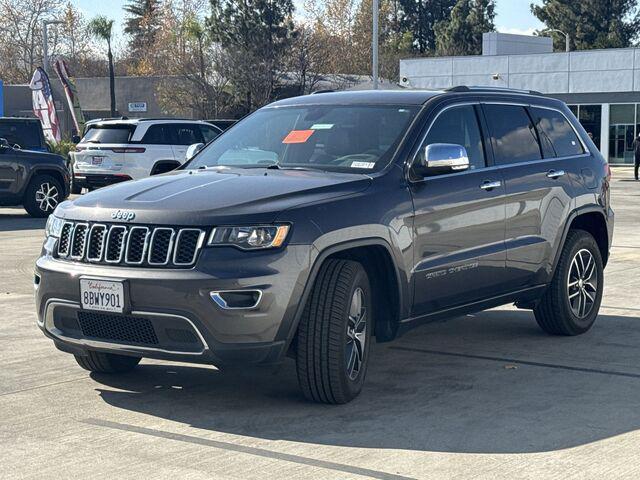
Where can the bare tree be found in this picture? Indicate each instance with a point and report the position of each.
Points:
(308, 60)
(21, 36)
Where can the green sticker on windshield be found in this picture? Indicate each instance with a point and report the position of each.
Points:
(322, 126)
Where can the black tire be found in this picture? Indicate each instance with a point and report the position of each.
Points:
(556, 312)
(75, 188)
(100, 362)
(326, 339)
(33, 203)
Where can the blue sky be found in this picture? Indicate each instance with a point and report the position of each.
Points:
(513, 16)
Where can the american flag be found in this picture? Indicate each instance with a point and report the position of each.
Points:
(43, 106)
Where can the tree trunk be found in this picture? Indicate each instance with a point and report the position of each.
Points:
(112, 82)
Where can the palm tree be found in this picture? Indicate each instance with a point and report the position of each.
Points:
(101, 27)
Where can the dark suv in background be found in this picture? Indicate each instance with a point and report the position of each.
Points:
(36, 180)
(321, 222)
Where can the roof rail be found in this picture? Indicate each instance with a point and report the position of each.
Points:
(322, 91)
(165, 118)
(480, 88)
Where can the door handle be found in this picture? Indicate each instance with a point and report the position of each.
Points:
(489, 185)
(555, 174)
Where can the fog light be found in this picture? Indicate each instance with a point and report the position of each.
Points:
(237, 299)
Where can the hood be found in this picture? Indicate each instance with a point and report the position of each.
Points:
(213, 196)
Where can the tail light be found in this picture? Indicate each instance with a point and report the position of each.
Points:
(129, 150)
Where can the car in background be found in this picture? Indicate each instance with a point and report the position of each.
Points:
(37, 180)
(223, 123)
(24, 133)
(117, 150)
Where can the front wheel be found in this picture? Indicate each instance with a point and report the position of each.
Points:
(42, 196)
(572, 301)
(100, 362)
(334, 333)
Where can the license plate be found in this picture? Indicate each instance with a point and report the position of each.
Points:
(96, 160)
(102, 295)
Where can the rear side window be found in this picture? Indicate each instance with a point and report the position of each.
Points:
(513, 134)
(187, 134)
(108, 134)
(557, 136)
(208, 133)
(459, 125)
(162, 134)
(25, 134)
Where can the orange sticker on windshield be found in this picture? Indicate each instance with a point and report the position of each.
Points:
(298, 136)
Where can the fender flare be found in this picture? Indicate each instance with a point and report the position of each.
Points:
(567, 226)
(46, 169)
(289, 326)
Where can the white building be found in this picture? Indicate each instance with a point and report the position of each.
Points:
(602, 87)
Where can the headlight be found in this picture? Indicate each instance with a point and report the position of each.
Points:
(250, 238)
(54, 226)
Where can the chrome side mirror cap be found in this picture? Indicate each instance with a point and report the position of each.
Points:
(440, 158)
(193, 150)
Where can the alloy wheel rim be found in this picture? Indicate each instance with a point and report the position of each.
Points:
(356, 334)
(47, 197)
(582, 283)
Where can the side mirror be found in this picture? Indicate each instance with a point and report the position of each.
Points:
(440, 158)
(76, 139)
(192, 150)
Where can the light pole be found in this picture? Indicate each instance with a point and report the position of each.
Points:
(374, 44)
(45, 42)
(567, 39)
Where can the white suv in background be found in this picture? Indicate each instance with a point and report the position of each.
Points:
(117, 150)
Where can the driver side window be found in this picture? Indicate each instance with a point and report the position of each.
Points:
(459, 126)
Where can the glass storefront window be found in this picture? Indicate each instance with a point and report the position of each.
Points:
(622, 131)
(590, 116)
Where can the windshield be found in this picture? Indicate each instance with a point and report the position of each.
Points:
(107, 134)
(25, 134)
(326, 137)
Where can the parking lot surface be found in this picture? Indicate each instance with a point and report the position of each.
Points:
(481, 396)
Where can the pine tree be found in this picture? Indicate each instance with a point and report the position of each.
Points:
(256, 34)
(419, 17)
(142, 22)
(462, 33)
(591, 23)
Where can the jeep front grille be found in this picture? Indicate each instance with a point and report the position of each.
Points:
(131, 245)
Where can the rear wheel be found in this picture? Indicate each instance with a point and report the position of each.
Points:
(334, 333)
(42, 196)
(101, 362)
(571, 303)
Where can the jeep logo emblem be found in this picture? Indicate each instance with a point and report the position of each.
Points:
(126, 215)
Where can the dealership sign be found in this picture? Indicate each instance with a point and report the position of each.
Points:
(138, 106)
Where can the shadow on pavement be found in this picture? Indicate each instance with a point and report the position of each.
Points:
(17, 221)
(489, 383)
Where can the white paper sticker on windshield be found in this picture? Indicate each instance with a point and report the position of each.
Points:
(322, 126)
(363, 164)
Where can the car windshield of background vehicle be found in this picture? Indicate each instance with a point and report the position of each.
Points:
(25, 134)
(354, 139)
(107, 134)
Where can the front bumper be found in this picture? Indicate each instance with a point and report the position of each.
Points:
(167, 301)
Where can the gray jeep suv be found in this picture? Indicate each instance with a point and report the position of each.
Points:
(321, 222)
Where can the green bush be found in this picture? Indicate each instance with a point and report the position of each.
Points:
(63, 147)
